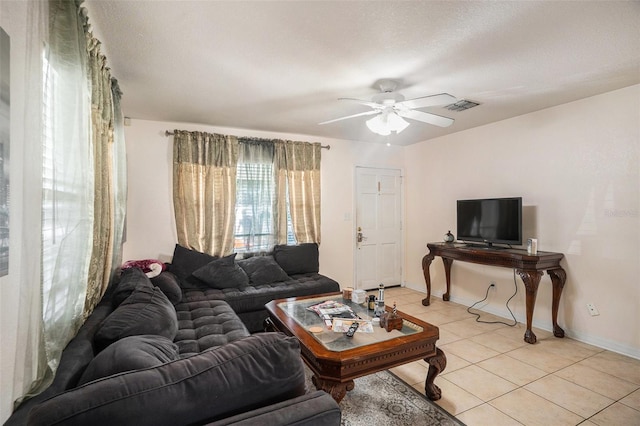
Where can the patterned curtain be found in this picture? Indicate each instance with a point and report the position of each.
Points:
(73, 125)
(103, 117)
(119, 180)
(298, 181)
(66, 183)
(204, 190)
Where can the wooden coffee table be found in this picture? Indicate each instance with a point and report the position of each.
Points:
(337, 360)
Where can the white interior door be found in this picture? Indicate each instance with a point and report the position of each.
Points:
(378, 227)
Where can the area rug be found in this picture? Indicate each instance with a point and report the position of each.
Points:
(384, 399)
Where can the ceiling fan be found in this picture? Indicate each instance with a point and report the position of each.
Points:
(390, 108)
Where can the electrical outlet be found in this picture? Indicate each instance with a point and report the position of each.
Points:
(592, 309)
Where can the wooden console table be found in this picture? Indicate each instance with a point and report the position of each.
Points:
(529, 267)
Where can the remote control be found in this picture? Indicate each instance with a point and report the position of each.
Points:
(352, 329)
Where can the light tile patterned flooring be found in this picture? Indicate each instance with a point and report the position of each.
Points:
(493, 377)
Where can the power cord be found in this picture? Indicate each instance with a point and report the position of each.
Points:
(507, 304)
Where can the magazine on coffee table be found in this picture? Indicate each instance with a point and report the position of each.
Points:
(329, 309)
(338, 316)
(342, 325)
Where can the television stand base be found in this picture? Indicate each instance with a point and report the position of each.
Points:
(530, 267)
(485, 246)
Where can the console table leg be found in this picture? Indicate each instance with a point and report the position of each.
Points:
(426, 262)
(558, 278)
(437, 364)
(447, 273)
(337, 390)
(531, 280)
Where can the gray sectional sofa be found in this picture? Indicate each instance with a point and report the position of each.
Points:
(288, 271)
(178, 349)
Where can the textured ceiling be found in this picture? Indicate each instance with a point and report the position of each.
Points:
(280, 66)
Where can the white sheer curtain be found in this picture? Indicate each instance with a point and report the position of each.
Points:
(67, 223)
(66, 174)
(30, 361)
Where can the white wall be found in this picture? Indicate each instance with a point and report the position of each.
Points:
(577, 168)
(150, 221)
(13, 18)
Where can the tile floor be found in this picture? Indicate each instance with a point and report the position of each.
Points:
(494, 378)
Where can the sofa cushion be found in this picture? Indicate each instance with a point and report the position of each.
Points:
(300, 259)
(146, 311)
(247, 374)
(263, 270)
(206, 324)
(130, 353)
(222, 273)
(185, 261)
(168, 283)
(130, 279)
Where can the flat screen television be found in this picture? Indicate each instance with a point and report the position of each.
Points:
(490, 221)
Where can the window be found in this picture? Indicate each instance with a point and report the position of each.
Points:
(67, 185)
(255, 200)
(255, 193)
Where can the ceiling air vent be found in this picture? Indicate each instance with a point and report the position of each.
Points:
(462, 105)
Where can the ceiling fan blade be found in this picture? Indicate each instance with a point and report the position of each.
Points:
(351, 116)
(427, 117)
(361, 102)
(426, 101)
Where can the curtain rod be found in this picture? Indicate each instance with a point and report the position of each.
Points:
(169, 133)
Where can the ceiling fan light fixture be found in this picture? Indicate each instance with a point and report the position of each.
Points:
(387, 122)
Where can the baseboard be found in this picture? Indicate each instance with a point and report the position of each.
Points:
(544, 325)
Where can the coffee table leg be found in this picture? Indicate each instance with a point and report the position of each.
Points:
(268, 325)
(337, 390)
(437, 364)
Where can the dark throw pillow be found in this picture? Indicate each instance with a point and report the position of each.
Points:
(168, 283)
(263, 270)
(130, 353)
(222, 273)
(300, 259)
(130, 279)
(185, 261)
(146, 311)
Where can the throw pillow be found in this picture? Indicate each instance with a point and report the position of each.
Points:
(146, 311)
(263, 270)
(300, 259)
(168, 283)
(130, 353)
(223, 273)
(185, 261)
(130, 279)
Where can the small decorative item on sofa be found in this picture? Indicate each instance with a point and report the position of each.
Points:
(151, 267)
